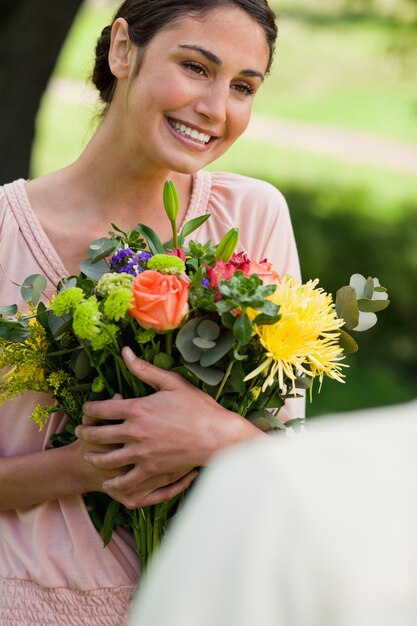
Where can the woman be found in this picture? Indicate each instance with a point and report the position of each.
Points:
(178, 81)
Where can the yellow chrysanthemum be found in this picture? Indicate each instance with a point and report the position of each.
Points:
(304, 340)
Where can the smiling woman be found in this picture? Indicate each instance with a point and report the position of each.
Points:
(177, 80)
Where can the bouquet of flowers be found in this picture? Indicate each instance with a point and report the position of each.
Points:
(229, 324)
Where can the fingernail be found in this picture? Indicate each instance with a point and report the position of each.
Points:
(106, 486)
(87, 459)
(128, 354)
(76, 431)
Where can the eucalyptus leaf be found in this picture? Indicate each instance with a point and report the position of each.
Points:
(101, 248)
(347, 306)
(223, 344)
(203, 343)
(59, 325)
(32, 288)
(11, 309)
(366, 321)
(184, 341)
(208, 329)
(80, 364)
(372, 306)
(209, 375)
(347, 343)
(13, 331)
(94, 270)
(368, 289)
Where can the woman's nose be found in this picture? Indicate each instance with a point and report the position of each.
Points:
(212, 104)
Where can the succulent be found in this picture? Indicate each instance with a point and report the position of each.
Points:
(202, 343)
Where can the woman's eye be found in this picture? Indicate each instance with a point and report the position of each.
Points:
(195, 67)
(243, 88)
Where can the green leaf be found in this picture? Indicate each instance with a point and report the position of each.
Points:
(191, 226)
(265, 421)
(80, 364)
(368, 289)
(347, 343)
(208, 329)
(110, 520)
(242, 329)
(209, 375)
(13, 331)
(59, 325)
(372, 306)
(347, 306)
(262, 319)
(154, 243)
(184, 341)
(11, 309)
(222, 347)
(33, 287)
(94, 270)
(100, 249)
(203, 343)
(164, 361)
(197, 278)
(227, 245)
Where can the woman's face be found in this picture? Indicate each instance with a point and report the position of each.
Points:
(193, 95)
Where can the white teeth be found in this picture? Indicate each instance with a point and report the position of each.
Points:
(190, 132)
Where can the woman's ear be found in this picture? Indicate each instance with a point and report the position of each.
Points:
(121, 49)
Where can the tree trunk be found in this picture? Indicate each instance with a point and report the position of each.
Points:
(31, 33)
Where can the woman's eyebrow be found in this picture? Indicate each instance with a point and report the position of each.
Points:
(215, 59)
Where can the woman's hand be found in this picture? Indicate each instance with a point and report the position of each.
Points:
(165, 434)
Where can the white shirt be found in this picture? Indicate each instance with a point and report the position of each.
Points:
(313, 530)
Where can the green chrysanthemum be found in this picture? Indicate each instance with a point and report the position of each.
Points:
(118, 303)
(143, 335)
(67, 300)
(166, 264)
(87, 318)
(111, 281)
(106, 337)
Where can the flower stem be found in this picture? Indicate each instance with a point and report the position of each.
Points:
(224, 379)
(168, 343)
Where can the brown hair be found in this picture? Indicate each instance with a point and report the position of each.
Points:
(145, 18)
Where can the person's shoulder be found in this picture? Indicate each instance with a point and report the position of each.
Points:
(245, 187)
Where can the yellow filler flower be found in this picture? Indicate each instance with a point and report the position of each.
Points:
(305, 340)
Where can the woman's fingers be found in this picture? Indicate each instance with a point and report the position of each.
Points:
(153, 491)
(101, 435)
(150, 374)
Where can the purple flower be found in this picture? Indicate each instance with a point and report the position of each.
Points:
(205, 282)
(125, 261)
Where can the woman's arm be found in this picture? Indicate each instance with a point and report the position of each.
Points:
(30, 479)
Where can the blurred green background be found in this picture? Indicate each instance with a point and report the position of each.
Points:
(335, 129)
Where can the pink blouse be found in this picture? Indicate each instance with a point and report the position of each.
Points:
(53, 567)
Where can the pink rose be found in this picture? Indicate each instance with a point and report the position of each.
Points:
(160, 301)
(265, 271)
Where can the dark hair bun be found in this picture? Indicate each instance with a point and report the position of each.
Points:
(102, 77)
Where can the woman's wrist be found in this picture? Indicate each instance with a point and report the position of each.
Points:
(234, 429)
